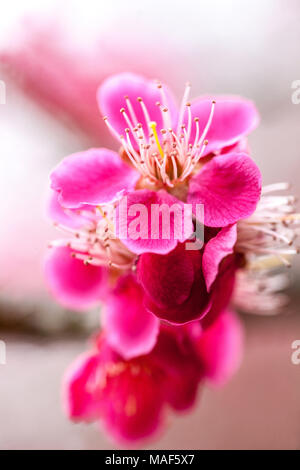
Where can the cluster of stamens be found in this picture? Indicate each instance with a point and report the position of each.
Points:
(269, 235)
(267, 240)
(260, 292)
(168, 160)
(95, 242)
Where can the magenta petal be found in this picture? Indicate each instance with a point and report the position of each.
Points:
(174, 286)
(130, 329)
(215, 250)
(221, 290)
(220, 347)
(229, 187)
(74, 284)
(111, 98)
(132, 401)
(78, 399)
(183, 371)
(136, 227)
(233, 118)
(168, 280)
(95, 176)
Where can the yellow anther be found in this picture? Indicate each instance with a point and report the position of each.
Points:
(152, 126)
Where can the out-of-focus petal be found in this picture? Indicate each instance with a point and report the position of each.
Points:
(220, 347)
(130, 329)
(74, 284)
(132, 401)
(78, 399)
(175, 354)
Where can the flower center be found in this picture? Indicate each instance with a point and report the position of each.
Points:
(166, 156)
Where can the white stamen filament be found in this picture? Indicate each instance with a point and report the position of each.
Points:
(183, 106)
(95, 243)
(162, 156)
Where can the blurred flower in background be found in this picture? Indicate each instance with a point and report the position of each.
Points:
(130, 397)
(60, 74)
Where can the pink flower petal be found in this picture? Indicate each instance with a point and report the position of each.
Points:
(95, 176)
(131, 330)
(176, 355)
(233, 118)
(221, 290)
(132, 402)
(215, 250)
(74, 284)
(142, 228)
(78, 399)
(111, 98)
(167, 279)
(67, 217)
(174, 286)
(220, 347)
(229, 186)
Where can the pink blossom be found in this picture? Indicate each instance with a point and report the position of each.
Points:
(129, 397)
(228, 185)
(164, 168)
(46, 65)
(46, 60)
(44, 57)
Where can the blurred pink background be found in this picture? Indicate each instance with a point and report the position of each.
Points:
(52, 61)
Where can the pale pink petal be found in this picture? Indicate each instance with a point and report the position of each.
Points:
(215, 250)
(233, 118)
(130, 329)
(220, 347)
(229, 187)
(111, 98)
(152, 221)
(67, 217)
(60, 75)
(74, 284)
(95, 176)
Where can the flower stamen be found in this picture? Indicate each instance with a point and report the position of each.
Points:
(152, 126)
